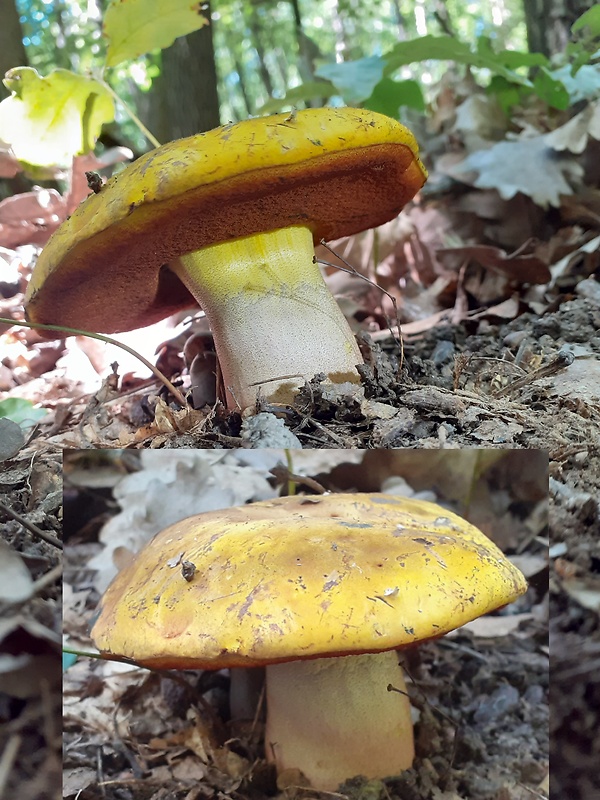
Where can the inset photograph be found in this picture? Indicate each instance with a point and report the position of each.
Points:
(254, 624)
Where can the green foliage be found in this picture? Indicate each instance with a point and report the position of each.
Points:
(49, 120)
(389, 96)
(369, 81)
(312, 90)
(590, 19)
(354, 80)
(135, 27)
(551, 90)
(586, 39)
(260, 54)
(21, 411)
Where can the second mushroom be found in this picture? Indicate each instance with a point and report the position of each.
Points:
(322, 591)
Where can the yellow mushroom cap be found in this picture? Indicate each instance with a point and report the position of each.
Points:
(302, 577)
(335, 171)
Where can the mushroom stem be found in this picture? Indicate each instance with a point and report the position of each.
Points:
(334, 718)
(274, 321)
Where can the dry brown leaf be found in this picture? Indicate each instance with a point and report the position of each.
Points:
(30, 217)
(524, 268)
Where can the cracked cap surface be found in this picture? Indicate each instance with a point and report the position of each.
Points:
(302, 577)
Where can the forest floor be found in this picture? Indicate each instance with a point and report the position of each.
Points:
(480, 695)
(456, 389)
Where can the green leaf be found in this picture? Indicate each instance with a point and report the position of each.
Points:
(135, 27)
(311, 90)
(551, 90)
(21, 411)
(355, 80)
(507, 93)
(513, 59)
(389, 96)
(49, 120)
(589, 19)
(446, 48)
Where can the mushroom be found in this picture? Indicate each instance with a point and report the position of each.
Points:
(322, 591)
(230, 217)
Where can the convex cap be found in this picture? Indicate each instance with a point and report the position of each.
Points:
(302, 577)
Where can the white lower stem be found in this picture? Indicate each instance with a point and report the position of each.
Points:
(334, 718)
(274, 321)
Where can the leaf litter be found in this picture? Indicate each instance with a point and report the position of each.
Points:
(479, 696)
(30, 621)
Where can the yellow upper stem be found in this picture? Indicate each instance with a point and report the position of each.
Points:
(274, 321)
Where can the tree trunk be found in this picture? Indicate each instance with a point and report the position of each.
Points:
(549, 23)
(12, 49)
(256, 30)
(184, 97)
(239, 68)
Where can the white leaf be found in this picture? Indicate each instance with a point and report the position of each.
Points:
(15, 581)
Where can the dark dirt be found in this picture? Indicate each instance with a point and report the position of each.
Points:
(482, 732)
(452, 391)
(574, 630)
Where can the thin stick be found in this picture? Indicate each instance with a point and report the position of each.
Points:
(131, 113)
(7, 760)
(291, 483)
(562, 360)
(47, 579)
(353, 271)
(47, 537)
(76, 332)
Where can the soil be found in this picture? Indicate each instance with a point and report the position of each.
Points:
(454, 390)
(575, 629)
(480, 695)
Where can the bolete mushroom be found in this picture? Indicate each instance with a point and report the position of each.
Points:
(229, 217)
(323, 591)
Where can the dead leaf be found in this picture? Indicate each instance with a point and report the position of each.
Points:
(530, 166)
(22, 676)
(529, 563)
(479, 119)
(16, 585)
(524, 268)
(451, 478)
(9, 165)
(30, 217)
(581, 381)
(574, 134)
